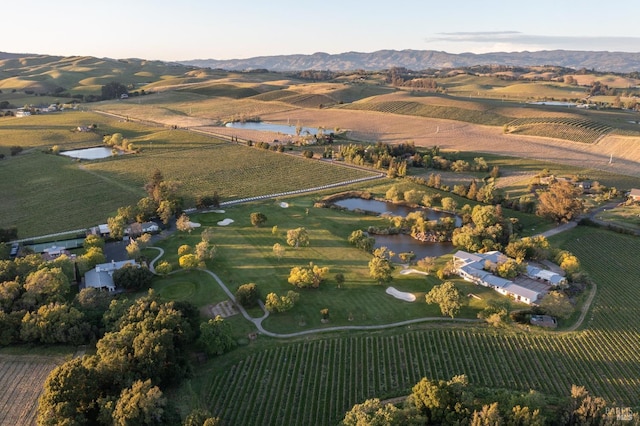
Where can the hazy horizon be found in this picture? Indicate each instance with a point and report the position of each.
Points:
(195, 29)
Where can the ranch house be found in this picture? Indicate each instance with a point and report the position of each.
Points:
(634, 194)
(471, 267)
(101, 276)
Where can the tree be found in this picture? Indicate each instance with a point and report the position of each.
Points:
(69, 395)
(275, 303)
(46, 286)
(91, 257)
(205, 251)
(54, 323)
(185, 249)
(448, 204)
(372, 412)
(380, 267)
(488, 416)
(189, 261)
(247, 295)
(116, 226)
(495, 313)
(216, 337)
(304, 277)
(407, 257)
(361, 240)
(183, 224)
(258, 218)
(297, 237)
(133, 249)
(278, 250)
(93, 240)
(113, 90)
(557, 304)
(200, 417)
(508, 269)
(164, 268)
(560, 202)
(427, 264)
(140, 404)
(447, 296)
(585, 409)
(10, 291)
(132, 277)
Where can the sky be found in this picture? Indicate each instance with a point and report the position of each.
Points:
(222, 29)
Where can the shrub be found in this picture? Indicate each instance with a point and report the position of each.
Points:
(247, 295)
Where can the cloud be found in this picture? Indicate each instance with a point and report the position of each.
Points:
(486, 41)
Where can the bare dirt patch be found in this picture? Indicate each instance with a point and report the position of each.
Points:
(392, 128)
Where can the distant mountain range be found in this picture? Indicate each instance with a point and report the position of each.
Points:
(622, 62)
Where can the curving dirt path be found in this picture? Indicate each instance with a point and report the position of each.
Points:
(584, 310)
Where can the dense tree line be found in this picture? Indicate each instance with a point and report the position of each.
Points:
(36, 305)
(456, 402)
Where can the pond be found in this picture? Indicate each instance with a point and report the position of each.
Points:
(402, 243)
(95, 153)
(383, 207)
(272, 127)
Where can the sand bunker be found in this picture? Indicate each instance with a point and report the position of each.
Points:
(194, 225)
(225, 222)
(412, 271)
(284, 205)
(407, 297)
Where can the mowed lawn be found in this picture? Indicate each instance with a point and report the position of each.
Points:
(245, 255)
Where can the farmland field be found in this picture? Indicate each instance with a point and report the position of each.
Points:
(40, 203)
(315, 380)
(21, 381)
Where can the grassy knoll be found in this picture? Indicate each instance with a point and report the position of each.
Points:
(316, 379)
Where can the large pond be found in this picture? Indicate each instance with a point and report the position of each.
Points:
(95, 153)
(272, 127)
(401, 243)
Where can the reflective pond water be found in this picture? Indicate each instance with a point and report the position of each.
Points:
(272, 127)
(95, 153)
(401, 243)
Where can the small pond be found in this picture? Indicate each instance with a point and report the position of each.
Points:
(95, 153)
(401, 243)
(383, 207)
(272, 127)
